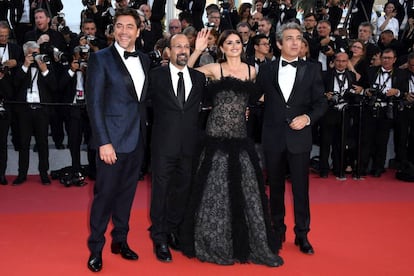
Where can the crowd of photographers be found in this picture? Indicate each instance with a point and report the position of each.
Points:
(368, 72)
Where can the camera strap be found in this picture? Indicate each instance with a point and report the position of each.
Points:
(341, 83)
(33, 78)
(384, 84)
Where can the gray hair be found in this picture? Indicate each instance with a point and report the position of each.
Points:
(287, 26)
(30, 45)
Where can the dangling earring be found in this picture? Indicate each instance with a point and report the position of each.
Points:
(223, 57)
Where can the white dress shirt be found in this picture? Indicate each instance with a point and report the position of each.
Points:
(187, 79)
(286, 76)
(134, 66)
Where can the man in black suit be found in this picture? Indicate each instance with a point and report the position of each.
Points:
(340, 91)
(35, 83)
(387, 84)
(175, 91)
(195, 8)
(293, 95)
(115, 91)
(10, 55)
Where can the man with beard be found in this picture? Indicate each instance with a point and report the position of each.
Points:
(175, 91)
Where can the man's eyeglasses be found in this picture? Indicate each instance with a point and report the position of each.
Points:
(264, 44)
(174, 27)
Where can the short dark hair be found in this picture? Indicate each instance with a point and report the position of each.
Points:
(256, 39)
(128, 11)
(39, 10)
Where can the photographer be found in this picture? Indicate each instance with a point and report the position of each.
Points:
(10, 55)
(340, 90)
(72, 84)
(386, 82)
(89, 38)
(405, 117)
(328, 44)
(331, 12)
(35, 83)
(100, 13)
(153, 23)
(284, 13)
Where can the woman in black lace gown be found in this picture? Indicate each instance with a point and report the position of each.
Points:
(228, 218)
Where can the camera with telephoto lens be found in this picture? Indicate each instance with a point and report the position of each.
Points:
(135, 4)
(88, 2)
(60, 17)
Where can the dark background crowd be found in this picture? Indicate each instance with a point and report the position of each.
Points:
(366, 61)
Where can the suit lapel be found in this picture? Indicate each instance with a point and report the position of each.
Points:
(171, 92)
(127, 79)
(194, 81)
(300, 74)
(145, 68)
(275, 78)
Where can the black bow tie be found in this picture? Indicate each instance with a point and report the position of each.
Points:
(293, 63)
(130, 54)
(3, 45)
(386, 72)
(258, 61)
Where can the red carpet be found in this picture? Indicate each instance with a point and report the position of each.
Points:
(358, 228)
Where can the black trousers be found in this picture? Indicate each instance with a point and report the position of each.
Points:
(378, 128)
(405, 140)
(114, 192)
(4, 131)
(299, 172)
(171, 183)
(78, 128)
(33, 122)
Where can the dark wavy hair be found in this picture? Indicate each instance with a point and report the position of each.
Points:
(223, 36)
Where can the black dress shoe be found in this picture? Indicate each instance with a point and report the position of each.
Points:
(323, 174)
(173, 241)
(304, 245)
(3, 180)
(45, 179)
(95, 262)
(59, 146)
(162, 252)
(123, 249)
(19, 180)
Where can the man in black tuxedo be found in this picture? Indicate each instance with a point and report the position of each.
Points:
(115, 91)
(175, 91)
(293, 95)
(340, 91)
(195, 8)
(11, 55)
(387, 84)
(35, 83)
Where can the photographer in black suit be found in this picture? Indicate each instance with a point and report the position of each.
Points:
(35, 83)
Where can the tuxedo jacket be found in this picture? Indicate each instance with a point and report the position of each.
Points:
(47, 85)
(175, 128)
(116, 114)
(307, 97)
(398, 78)
(329, 82)
(15, 52)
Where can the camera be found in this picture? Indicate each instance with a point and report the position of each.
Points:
(4, 69)
(3, 113)
(155, 57)
(136, 3)
(88, 2)
(92, 40)
(41, 57)
(325, 49)
(210, 25)
(225, 5)
(47, 49)
(60, 17)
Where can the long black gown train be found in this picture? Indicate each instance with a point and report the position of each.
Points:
(228, 219)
